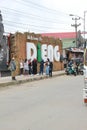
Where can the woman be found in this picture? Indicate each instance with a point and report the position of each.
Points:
(26, 69)
(21, 66)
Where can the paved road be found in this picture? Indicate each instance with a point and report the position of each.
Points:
(48, 104)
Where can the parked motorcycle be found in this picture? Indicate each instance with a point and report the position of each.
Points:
(70, 70)
(81, 69)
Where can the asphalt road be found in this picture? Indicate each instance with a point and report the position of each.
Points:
(48, 104)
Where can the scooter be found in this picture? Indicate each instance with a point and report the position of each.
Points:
(70, 70)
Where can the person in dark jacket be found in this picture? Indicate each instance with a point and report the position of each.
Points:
(30, 66)
(34, 66)
(41, 67)
(50, 69)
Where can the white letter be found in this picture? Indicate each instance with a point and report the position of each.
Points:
(44, 52)
(31, 51)
(56, 53)
(50, 52)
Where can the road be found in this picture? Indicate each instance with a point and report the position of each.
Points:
(49, 104)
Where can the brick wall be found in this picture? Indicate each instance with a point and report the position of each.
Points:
(18, 47)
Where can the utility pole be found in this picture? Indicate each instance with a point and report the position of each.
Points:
(76, 25)
(84, 23)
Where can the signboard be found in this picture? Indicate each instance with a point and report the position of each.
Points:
(43, 51)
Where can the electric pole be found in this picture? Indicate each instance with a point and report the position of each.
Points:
(76, 25)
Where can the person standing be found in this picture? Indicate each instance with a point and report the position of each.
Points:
(13, 68)
(26, 68)
(34, 66)
(21, 66)
(41, 67)
(50, 69)
(47, 66)
(30, 66)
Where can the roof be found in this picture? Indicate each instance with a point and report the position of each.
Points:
(75, 50)
(61, 35)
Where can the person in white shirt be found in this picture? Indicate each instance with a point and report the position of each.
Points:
(21, 66)
(26, 68)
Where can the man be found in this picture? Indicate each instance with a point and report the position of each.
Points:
(13, 68)
(50, 69)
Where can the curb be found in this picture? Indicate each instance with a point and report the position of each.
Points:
(30, 79)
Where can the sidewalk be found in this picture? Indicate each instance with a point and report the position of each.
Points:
(6, 81)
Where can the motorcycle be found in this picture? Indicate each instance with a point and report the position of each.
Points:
(81, 69)
(70, 70)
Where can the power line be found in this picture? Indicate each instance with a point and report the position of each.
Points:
(28, 3)
(18, 13)
(19, 23)
(33, 20)
(22, 29)
(25, 14)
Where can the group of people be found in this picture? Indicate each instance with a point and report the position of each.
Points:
(28, 67)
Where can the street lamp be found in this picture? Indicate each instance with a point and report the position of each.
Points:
(75, 25)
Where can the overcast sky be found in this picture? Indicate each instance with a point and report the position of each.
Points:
(41, 16)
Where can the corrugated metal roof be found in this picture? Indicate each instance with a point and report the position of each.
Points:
(75, 49)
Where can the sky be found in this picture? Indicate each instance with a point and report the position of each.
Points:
(42, 16)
